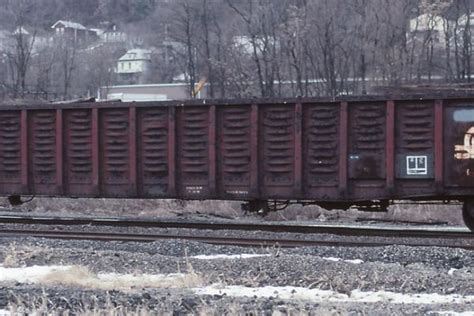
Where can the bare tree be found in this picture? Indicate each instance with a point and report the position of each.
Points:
(43, 68)
(19, 54)
(185, 21)
(19, 60)
(466, 41)
(294, 33)
(66, 54)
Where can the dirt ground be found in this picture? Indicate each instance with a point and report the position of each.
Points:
(435, 214)
(231, 280)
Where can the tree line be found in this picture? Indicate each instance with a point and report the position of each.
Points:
(245, 48)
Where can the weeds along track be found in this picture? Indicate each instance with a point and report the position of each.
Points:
(283, 235)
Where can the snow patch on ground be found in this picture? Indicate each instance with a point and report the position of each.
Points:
(239, 256)
(355, 261)
(321, 296)
(451, 313)
(249, 256)
(451, 271)
(82, 277)
(29, 274)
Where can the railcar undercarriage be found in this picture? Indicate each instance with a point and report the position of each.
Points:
(263, 207)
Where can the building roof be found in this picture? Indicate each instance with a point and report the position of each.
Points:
(136, 54)
(69, 24)
(97, 31)
(20, 30)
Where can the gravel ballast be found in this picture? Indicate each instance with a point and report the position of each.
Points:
(399, 269)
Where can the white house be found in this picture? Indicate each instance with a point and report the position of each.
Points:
(134, 66)
(135, 60)
(109, 32)
(430, 25)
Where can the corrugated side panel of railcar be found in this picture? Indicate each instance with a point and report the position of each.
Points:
(277, 149)
(156, 151)
(195, 141)
(367, 145)
(137, 151)
(116, 150)
(321, 150)
(30, 151)
(415, 150)
(394, 150)
(237, 143)
(10, 152)
(120, 151)
(360, 150)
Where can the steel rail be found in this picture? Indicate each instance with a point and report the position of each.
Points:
(233, 225)
(220, 240)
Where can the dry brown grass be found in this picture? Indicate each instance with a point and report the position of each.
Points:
(450, 214)
(16, 255)
(79, 276)
(131, 207)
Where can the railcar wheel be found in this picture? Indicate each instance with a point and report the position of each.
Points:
(468, 214)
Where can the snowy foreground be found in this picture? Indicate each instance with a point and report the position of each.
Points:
(77, 276)
(184, 277)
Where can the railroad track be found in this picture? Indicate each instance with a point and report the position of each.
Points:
(226, 240)
(317, 234)
(233, 225)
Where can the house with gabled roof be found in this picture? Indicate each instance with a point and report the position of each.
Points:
(74, 31)
(134, 66)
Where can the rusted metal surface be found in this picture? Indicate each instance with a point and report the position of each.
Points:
(132, 160)
(276, 150)
(171, 147)
(95, 153)
(212, 143)
(78, 153)
(24, 143)
(42, 165)
(114, 152)
(193, 152)
(236, 151)
(11, 150)
(438, 144)
(59, 160)
(390, 145)
(343, 139)
(298, 151)
(155, 151)
(309, 149)
(254, 181)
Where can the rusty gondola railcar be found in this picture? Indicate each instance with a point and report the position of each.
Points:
(337, 154)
